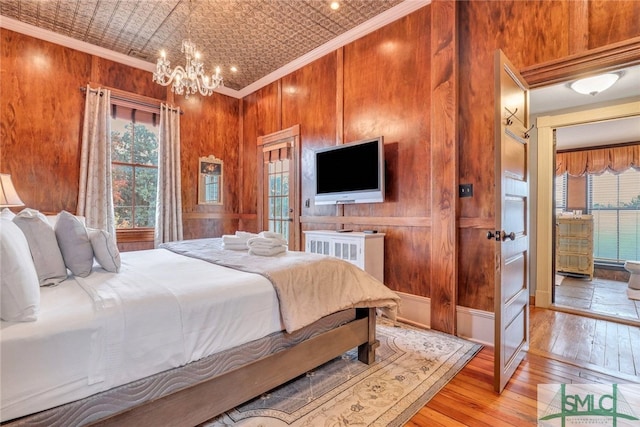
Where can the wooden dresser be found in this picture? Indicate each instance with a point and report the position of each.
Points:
(574, 245)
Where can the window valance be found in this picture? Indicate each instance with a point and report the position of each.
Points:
(597, 161)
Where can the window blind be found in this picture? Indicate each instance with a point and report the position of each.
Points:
(614, 202)
(561, 192)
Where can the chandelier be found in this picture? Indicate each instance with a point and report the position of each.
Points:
(191, 78)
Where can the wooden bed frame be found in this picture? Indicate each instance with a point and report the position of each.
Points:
(202, 401)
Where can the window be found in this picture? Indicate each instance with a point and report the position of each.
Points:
(278, 196)
(614, 202)
(561, 193)
(134, 161)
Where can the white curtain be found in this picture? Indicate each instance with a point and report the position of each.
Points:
(169, 202)
(95, 198)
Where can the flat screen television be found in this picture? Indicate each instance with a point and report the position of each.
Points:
(350, 173)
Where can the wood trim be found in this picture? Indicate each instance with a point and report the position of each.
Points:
(602, 59)
(211, 215)
(291, 132)
(444, 159)
(368, 220)
(138, 235)
(597, 147)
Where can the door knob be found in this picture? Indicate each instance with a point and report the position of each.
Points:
(493, 235)
(506, 236)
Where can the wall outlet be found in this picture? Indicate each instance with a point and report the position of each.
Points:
(465, 190)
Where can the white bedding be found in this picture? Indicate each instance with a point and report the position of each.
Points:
(77, 346)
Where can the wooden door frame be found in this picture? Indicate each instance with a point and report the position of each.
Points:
(546, 170)
(292, 133)
(541, 163)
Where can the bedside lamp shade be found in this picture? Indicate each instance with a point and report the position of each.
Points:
(8, 195)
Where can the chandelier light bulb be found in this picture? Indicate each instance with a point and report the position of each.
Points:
(596, 84)
(189, 79)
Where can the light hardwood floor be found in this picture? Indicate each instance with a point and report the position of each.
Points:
(469, 399)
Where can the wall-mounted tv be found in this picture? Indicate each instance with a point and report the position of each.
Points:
(350, 173)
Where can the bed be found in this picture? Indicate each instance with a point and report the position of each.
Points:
(175, 338)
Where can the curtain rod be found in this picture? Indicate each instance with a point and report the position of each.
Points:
(132, 101)
(598, 147)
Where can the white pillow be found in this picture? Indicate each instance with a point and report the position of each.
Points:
(74, 244)
(43, 246)
(105, 249)
(19, 285)
(7, 214)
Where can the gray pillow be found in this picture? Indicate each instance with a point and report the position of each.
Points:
(105, 249)
(43, 246)
(74, 244)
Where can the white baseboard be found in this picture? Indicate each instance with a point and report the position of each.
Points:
(474, 325)
(415, 310)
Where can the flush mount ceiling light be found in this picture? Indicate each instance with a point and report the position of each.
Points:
(596, 84)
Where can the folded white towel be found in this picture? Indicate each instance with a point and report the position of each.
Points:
(267, 251)
(239, 237)
(271, 235)
(245, 235)
(266, 241)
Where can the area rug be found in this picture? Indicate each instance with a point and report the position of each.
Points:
(411, 366)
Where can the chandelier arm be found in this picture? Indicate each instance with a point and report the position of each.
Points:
(191, 78)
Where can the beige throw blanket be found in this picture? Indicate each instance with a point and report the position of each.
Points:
(309, 286)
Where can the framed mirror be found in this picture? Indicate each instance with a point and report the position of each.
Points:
(210, 181)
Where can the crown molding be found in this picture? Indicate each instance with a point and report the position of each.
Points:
(50, 36)
(379, 21)
(393, 14)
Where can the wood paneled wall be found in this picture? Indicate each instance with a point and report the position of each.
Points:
(41, 119)
(387, 83)
(389, 94)
(377, 85)
(42, 111)
(529, 32)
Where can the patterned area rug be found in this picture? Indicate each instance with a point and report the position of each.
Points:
(411, 366)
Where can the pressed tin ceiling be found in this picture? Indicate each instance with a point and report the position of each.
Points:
(255, 36)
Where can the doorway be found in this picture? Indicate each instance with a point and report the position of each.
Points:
(597, 218)
(546, 171)
(278, 184)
